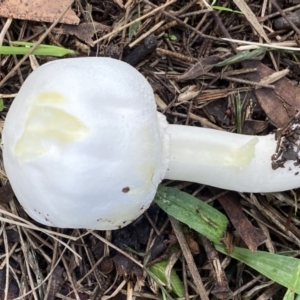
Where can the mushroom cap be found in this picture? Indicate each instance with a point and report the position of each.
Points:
(83, 145)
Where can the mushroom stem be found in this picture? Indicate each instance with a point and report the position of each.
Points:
(226, 160)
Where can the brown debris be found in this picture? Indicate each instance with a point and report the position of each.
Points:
(139, 53)
(287, 144)
(279, 104)
(254, 127)
(252, 236)
(126, 268)
(6, 193)
(56, 282)
(221, 288)
(200, 68)
(84, 31)
(37, 10)
(13, 289)
(193, 245)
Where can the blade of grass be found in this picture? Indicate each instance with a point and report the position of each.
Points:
(193, 212)
(205, 219)
(1, 104)
(279, 268)
(222, 8)
(159, 269)
(41, 50)
(245, 55)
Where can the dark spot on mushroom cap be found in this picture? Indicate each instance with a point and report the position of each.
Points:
(125, 189)
(296, 173)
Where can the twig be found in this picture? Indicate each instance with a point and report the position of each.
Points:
(143, 36)
(285, 16)
(274, 46)
(154, 11)
(177, 55)
(169, 15)
(239, 80)
(277, 13)
(221, 288)
(189, 259)
(4, 30)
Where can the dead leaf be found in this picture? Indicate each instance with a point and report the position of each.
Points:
(6, 193)
(190, 93)
(279, 104)
(84, 31)
(253, 127)
(12, 236)
(158, 248)
(38, 10)
(252, 236)
(200, 68)
(126, 267)
(282, 23)
(13, 289)
(193, 245)
(217, 109)
(56, 281)
(274, 76)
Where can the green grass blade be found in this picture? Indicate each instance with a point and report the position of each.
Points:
(1, 104)
(193, 212)
(282, 269)
(221, 8)
(289, 295)
(245, 55)
(41, 50)
(159, 269)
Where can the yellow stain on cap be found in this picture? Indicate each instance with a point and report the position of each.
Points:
(50, 98)
(47, 126)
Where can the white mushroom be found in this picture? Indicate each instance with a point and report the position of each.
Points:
(85, 148)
